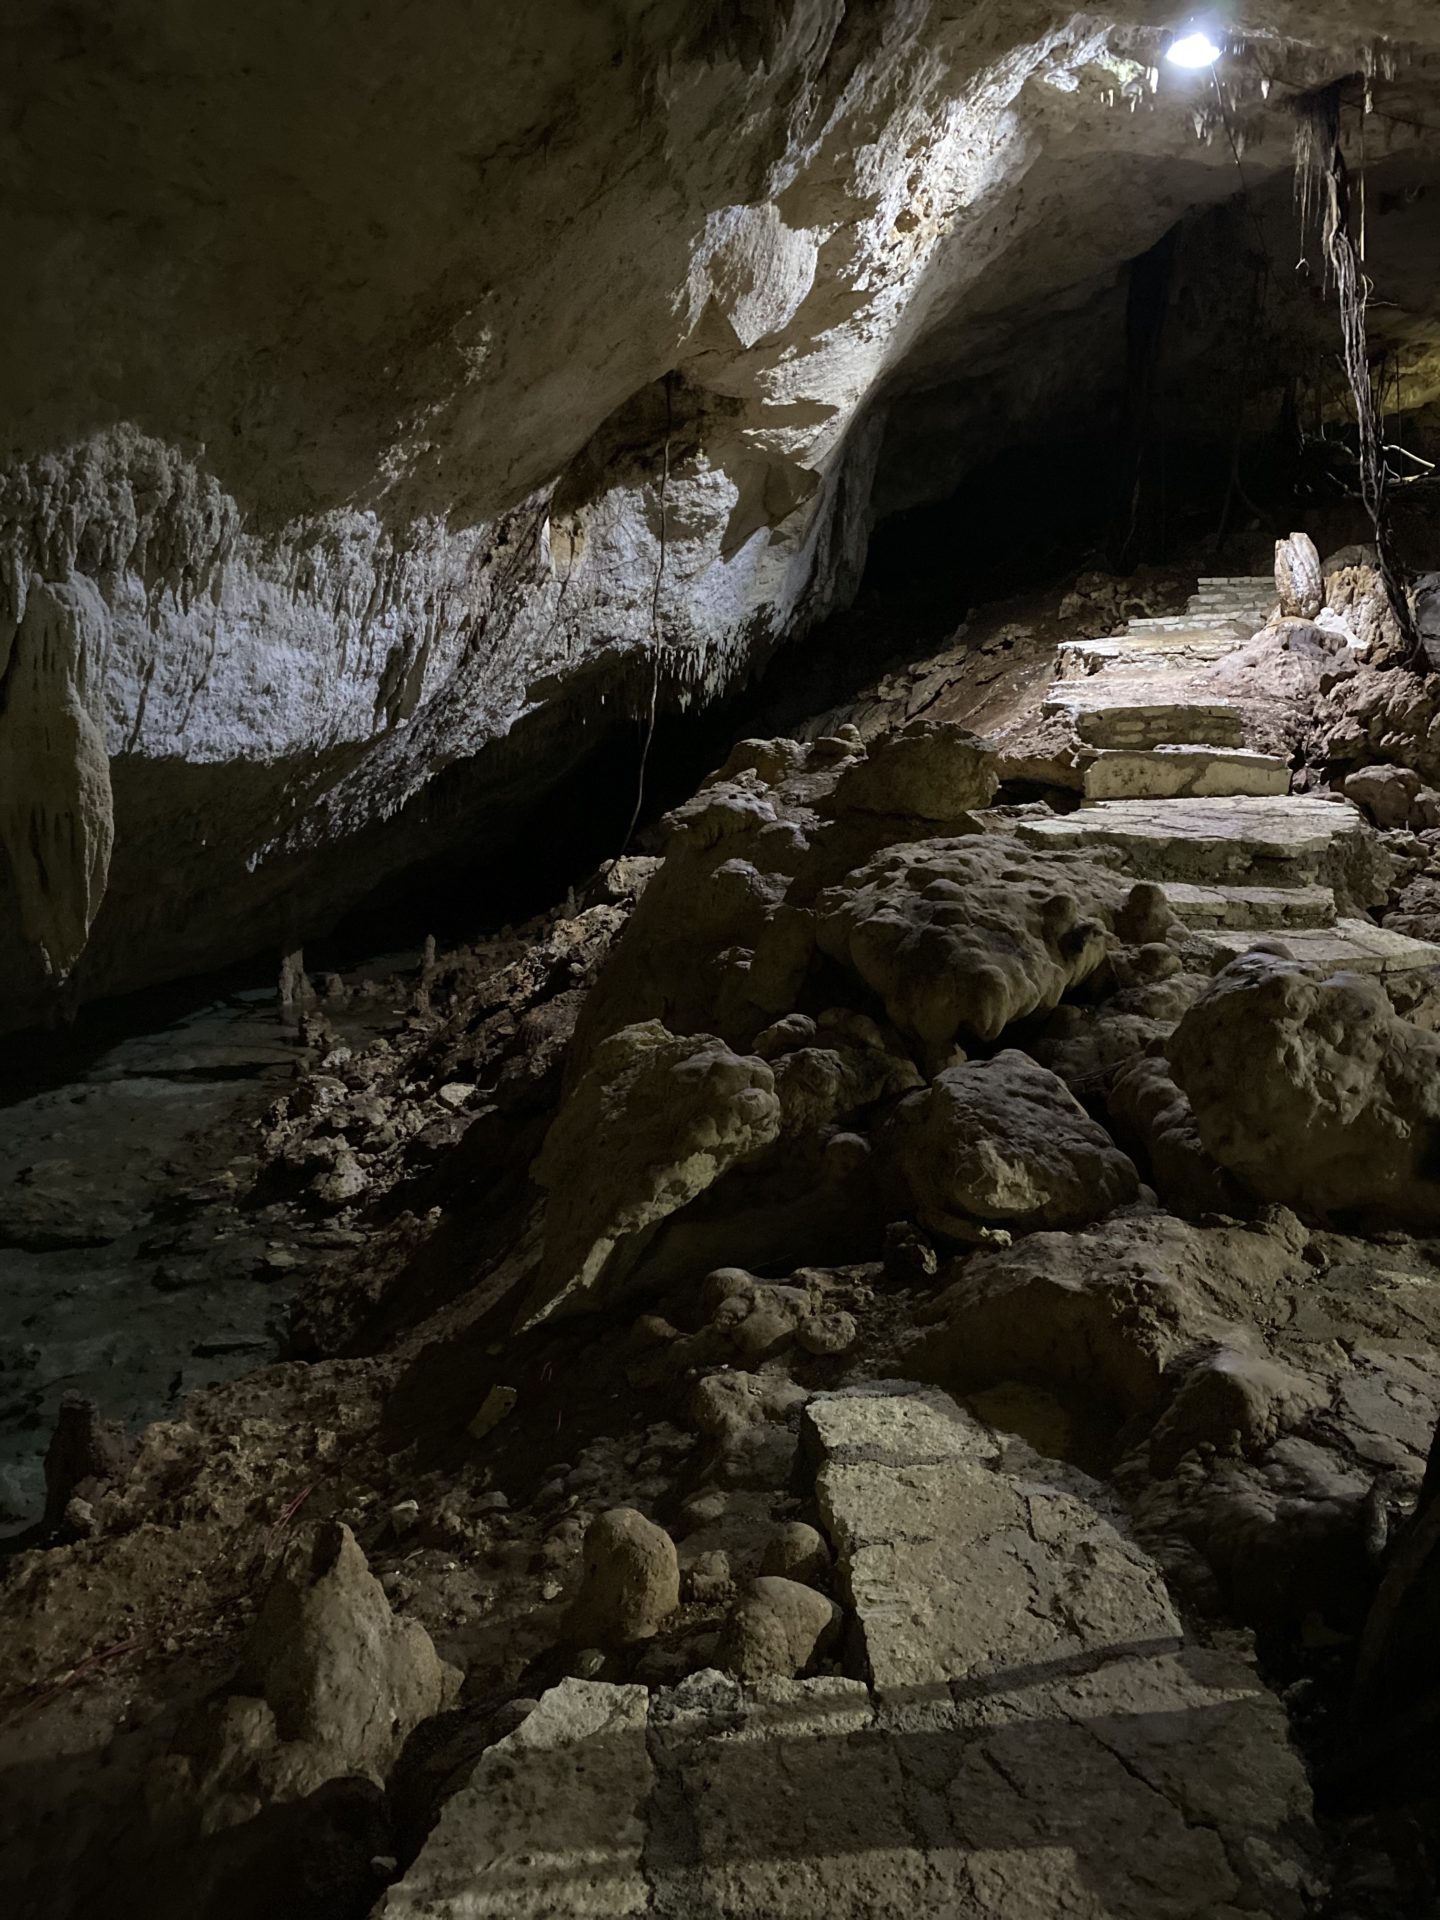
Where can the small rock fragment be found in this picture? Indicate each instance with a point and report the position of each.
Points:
(909, 1256)
(498, 1402)
(708, 1576)
(825, 1333)
(405, 1516)
(344, 1182)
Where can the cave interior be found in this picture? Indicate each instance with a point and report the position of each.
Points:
(720, 961)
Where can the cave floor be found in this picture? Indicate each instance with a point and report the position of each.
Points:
(130, 1273)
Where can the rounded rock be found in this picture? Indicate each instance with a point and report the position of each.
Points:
(778, 1630)
(826, 1333)
(797, 1552)
(631, 1581)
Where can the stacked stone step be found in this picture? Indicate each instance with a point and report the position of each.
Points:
(1234, 596)
(1239, 868)
(1143, 746)
(1032, 1700)
(1146, 653)
(1123, 714)
(1246, 601)
(1171, 784)
(1162, 642)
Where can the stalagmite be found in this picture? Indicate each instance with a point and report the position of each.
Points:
(57, 821)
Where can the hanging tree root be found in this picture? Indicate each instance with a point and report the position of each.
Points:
(1322, 192)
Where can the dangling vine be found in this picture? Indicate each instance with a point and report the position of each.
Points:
(648, 735)
(1322, 193)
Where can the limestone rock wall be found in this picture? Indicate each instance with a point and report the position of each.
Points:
(377, 387)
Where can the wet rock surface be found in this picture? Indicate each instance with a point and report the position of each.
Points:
(134, 1271)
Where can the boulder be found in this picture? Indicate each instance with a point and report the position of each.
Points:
(1392, 716)
(1004, 1141)
(778, 1629)
(796, 1551)
(1313, 1090)
(1387, 794)
(631, 1581)
(670, 1115)
(828, 1333)
(964, 936)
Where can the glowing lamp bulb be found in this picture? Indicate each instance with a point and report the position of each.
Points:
(1193, 50)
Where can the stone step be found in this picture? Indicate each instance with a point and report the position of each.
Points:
(1233, 616)
(1136, 723)
(1250, 909)
(1352, 946)
(1142, 653)
(1182, 772)
(1195, 617)
(1291, 842)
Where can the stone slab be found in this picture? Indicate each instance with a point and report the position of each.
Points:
(1174, 773)
(552, 1821)
(1251, 909)
(1044, 1741)
(959, 1573)
(1352, 946)
(1289, 841)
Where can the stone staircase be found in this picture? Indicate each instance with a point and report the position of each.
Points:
(1170, 781)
